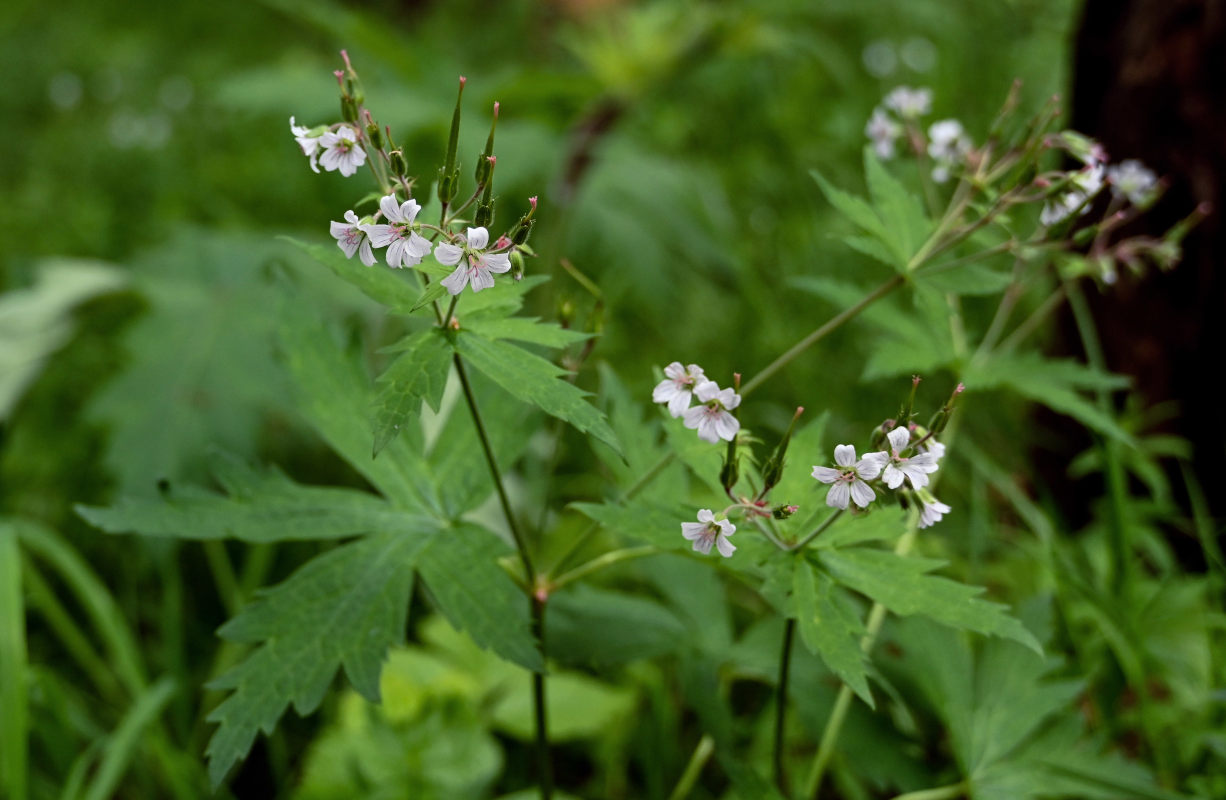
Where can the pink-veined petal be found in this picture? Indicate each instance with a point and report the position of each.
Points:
(862, 493)
(692, 530)
(457, 280)
(674, 371)
(381, 235)
(497, 262)
(838, 494)
(845, 455)
(706, 390)
(918, 478)
(826, 474)
(665, 391)
(726, 425)
(892, 476)
(725, 547)
(693, 416)
(477, 238)
(338, 230)
(448, 254)
(707, 429)
(390, 208)
(408, 211)
(704, 542)
(871, 465)
(395, 253)
(706, 515)
(419, 246)
(729, 399)
(366, 254)
(679, 402)
(898, 439)
(481, 279)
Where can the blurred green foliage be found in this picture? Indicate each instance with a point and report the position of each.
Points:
(150, 169)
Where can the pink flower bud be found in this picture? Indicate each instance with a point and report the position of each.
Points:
(495, 109)
(463, 80)
(532, 202)
(340, 77)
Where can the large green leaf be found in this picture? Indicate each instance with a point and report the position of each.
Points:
(477, 595)
(418, 374)
(527, 329)
(642, 520)
(393, 288)
(535, 380)
(343, 608)
(334, 395)
(902, 215)
(828, 628)
(1055, 384)
(261, 507)
(902, 586)
(855, 209)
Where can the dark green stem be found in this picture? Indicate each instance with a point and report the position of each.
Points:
(544, 767)
(826, 523)
(781, 703)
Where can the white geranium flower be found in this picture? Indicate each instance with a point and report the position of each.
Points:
(708, 531)
(479, 262)
(882, 130)
(1133, 180)
(711, 418)
(909, 103)
(931, 510)
(948, 146)
(1061, 208)
(677, 386)
(351, 238)
(405, 246)
(848, 479)
(915, 468)
(342, 152)
(309, 143)
(936, 448)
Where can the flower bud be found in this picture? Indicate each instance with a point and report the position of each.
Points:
(353, 89)
(484, 165)
(375, 135)
(783, 512)
(349, 109)
(517, 265)
(484, 215)
(520, 234)
(731, 471)
(398, 165)
(772, 471)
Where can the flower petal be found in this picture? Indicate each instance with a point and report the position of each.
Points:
(845, 455)
(457, 280)
(447, 254)
(497, 262)
(838, 495)
(679, 402)
(892, 477)
(477, 238)
(898, 439)
(871, 465)
(390, 208)
(481, 279)
(826, 474)
(725, 547)
(706, 390)
(862, 493)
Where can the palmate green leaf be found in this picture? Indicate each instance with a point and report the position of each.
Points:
(386, 286)
(828, 628)
(333, 392)
(476, 594)
(418, 374)
(902, 215)
(342, 609)
(261, 507)
(967, 279)
(641, 520)
(1054, 383)
(527, 329)
(856, 210)
(902, 586)
(535, 380)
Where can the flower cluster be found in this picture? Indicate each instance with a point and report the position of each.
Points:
(1130, 180)
(345, 146)
(904, 463)
(712, 417)
(898, 116)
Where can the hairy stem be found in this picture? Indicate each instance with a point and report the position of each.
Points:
(781, 703)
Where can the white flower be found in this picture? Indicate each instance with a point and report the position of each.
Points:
(848, 480)
(677, 387)
(1132, 179)
(709, 531)
(308, 142)
(882, 130)
(909, 103)
(915, 469)
(351, 238)
(712, 418)
(341, 151)
(936, 448)
(931, 510)
(480, 263)
(1060, 208)
(948, 146)
(405, 246)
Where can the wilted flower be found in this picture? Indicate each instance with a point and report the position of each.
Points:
(712, 418)
(677, 387)
(307, 141)
(1133, 180)
(883, 131)
(915, 468)
(480, 262)
(909, 103)
(931, 509)
(405, 246)
(351, 238)
(708, 531)
(341, 151)
(848, 480)
(948, 146)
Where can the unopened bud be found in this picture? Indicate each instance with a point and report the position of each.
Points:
(517, 265)
(349, 109)
(484, 215)
(772, 471)
(354, 89)
(397, 163)
(375, 135)
(520, 236)
(783, 512)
